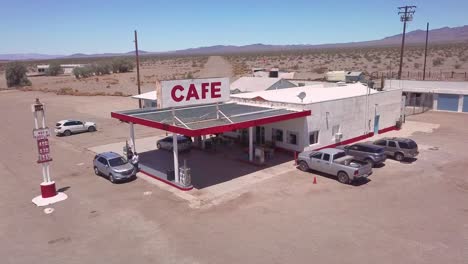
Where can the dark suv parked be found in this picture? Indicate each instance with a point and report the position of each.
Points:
(399, 148)
(366, 152)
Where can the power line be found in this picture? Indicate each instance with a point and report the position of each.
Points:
(406, 15)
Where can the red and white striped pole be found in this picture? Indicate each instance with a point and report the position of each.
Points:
(41, 133)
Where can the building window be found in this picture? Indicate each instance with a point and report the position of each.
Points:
(292, 137)
(277, 135)
(313, 137)
(335, 129)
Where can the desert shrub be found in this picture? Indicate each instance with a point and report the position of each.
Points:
(118, 94)
(102, 68)
(122, 65)
(457, 66)
(83, 72)
(54, 69)
(416, 65)
(438, 61)
(15, 74)
(295, 67)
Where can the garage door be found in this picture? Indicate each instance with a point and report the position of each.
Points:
(447, 102)
(465, 103)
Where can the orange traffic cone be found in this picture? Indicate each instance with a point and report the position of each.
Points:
(315, 180)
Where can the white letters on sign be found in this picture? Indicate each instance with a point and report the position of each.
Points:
(193, 92)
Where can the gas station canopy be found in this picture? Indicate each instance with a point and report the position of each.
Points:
(207, 119)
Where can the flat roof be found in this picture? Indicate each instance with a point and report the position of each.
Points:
(146, 96)
(313, 93)
(203, 120)
(444, 87)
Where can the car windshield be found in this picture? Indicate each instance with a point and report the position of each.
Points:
(339, 155)
(117, 162)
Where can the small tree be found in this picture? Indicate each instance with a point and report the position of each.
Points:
(15, 74)
(54, 69)
(122, 65)
(83, 72)
(102, 68)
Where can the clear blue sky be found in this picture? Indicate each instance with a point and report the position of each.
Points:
(97, 26)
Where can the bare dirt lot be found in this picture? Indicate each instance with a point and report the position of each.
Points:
(407, 213)
(312, 64)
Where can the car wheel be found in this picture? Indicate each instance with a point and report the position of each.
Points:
(91, 129)
(158, 146)
(67, 133)
(399, 156)
(96, 171)
(343, 177)
(111, 178)
(303, 166)
(370, 161)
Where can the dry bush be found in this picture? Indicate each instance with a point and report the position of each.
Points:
(438, 61)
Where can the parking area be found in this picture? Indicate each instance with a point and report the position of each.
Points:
(408, 212)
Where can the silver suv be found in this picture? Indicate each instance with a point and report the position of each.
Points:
(113, 166)
(183, 143)
(367, 152)
(399, 148)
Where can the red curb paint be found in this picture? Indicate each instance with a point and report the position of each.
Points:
(48, 190)
(166, 182)
(315, 180)
(359, 138)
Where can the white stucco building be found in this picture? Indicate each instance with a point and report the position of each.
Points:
(437, 95)
(340, 115)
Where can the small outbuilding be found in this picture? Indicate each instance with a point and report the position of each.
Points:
(148, 99)
(256, 84)
(436, 95)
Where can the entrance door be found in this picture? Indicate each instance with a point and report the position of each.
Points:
(376, 124)
(260, 135)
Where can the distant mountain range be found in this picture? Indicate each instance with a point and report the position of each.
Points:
(436, 36)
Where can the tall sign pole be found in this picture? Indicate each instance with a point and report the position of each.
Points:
(425, 52)
(406, 14)
(138, 67)
(41, 133)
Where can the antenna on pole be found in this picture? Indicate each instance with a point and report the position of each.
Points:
(406, 15)
(138, 67)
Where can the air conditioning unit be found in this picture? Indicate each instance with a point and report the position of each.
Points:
(338, 136)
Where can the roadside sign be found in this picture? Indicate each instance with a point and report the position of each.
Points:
(178, 93)
(41, 132)
(43, 150)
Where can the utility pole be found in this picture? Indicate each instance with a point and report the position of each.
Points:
(425, 52)
(406, 14)
(138, 67)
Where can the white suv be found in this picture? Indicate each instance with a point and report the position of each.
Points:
(67, 127)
